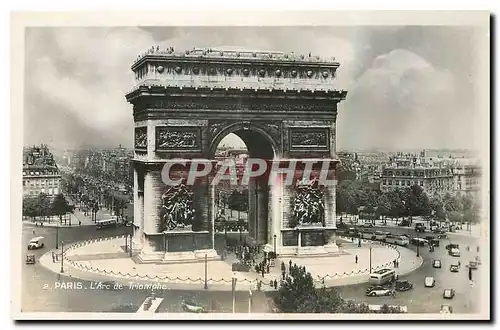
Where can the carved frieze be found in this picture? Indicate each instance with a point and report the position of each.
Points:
(141, 138)
(191, 105)
(177, 211)
(178, 138)
(309, 138)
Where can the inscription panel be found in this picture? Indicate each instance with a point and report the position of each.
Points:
(175, 138)
(141, 138)
(303, 138)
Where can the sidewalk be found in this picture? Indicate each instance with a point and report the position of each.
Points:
(105, 259)
(75, 218)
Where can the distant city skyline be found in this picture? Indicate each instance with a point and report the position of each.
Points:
(408, 87)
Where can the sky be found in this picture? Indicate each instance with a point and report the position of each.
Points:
(409, 87)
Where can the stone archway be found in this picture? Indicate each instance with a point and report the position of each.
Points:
(282, 105)
(260, 144)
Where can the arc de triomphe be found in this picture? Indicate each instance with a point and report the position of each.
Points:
(283, 106)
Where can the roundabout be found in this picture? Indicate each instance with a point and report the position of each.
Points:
(105, 259)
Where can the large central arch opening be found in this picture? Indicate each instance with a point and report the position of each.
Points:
(242, 211)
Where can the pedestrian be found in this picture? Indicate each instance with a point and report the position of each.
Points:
(262, 271)
(356, 258)
(79, 222)
(470, 274)
(477, 248)
(275, 285)
(283, 275)
(33, 232)
(290, 263)
(394, 262)
(53, 257)
(268, 268)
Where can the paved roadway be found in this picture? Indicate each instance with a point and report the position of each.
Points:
(36, 297)
(429, 300)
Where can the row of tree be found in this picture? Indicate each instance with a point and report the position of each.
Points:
(297, 294)
(43, 207)
(355, 197)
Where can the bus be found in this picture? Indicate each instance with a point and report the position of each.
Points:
(398, 240)
(382, 276)
(102, 224)
(367, 235)
(381, 235)
(419, 241)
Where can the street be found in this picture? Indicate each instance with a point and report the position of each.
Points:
(36, 298)
(429, 300)
(418, 300)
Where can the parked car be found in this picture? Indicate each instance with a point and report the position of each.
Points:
(436, 263)
(403, 286)
(454, 268)
(429, 282)
(377, 291)
(446, 309)
(452, 246)
(473, 264)
(192, 307)
(404, 223)
(454, 252)
(442, 236)
(448, 293)
(420, 227)
(30, 259)
(36, 243)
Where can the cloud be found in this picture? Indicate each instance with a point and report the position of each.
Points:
(401, 94)
(402, 101)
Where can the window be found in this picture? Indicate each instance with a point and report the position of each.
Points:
(390, 182)
(24, 183)
(422, 183)
(397, 172)
(397, 182)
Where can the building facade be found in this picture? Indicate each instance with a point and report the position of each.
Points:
(40, 172)
(405, 170)
(434, 173)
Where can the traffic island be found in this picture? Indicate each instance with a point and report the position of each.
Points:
(105, 260)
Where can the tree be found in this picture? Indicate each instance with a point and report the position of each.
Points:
(416, 201)
(30, 207)
(44, 205)
(60, 206)
(297, 294)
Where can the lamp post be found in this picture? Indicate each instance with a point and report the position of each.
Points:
(418, 244)
(57, 236)
(233, 287)
(130, 249)
(274, 236)
(370, 258)
(62, 257)
(206, 273)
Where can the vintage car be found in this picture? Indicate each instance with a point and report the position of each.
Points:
(377, 291)
(429, 282)
(454, 268)
(436, 263)
(30, 259)
(448, 293)
(36, 243)
(446, 309)
(403, 286)
(472, 264)
(191, 307)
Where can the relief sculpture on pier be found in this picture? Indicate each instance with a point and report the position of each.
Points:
(177, 211)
